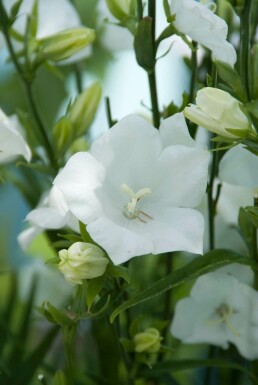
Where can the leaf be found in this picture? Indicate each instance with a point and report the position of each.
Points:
(199, 266)
(232, 79)
(84, 234)
(59, 316)
(188, 364)
(93, 288)
(15, 9)
(60, 378)
(25, 370)
(118, 272)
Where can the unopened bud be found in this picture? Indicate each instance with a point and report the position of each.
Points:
(82, 261)
(62, 134)
(219, 112)
(147, 341)
(83, 109)
(120, 9)
(64, 44)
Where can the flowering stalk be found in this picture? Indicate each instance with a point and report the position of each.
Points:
(245, 44)
(152, 73)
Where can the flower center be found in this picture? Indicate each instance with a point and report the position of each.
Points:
(225, 312)
(131, 211)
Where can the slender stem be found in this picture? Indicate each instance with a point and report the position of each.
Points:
(213, 172)
(194, 72)
(245, 44)
(139, 9)
(154, 98)
(26, 80)
(254, 248)
(78, 78)
(152, 73)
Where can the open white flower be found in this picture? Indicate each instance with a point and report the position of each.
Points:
(12, 143)
(137, 187)
(52, 213)
(198, 22)
(220, 310)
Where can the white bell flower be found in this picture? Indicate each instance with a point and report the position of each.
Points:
(197, 21)
(137, 188)
(52, 213)
(219, 310)
(12, 142)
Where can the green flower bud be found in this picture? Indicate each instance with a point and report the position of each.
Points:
(64, 44)
(82, 261)
(147, 341)
(120, 9)
(217, 111)
(83, 109)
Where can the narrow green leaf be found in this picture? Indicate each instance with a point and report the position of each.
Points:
(231, 77)
(85, 235)
(93, 288)
(59, 315)
(188, 364)
(199, 266)
(60, 378)
(119, 272)
(15, 9)
(25, 370)
(17, 350)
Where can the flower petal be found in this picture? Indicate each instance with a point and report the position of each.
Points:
(78, 181)
(174, 130)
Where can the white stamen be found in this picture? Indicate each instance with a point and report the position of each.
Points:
(130, 210)
(225, 312)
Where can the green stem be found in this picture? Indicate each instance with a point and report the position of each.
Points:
(254, 248)
(245, 44)
(69, 334)
(152, 73)
(194, 72)
(26, 80)
(154, 98)
(139, 9)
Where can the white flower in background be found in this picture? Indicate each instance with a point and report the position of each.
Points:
(137, 187)
(219, 310)
(82, 261)
(12, 143)
(52, 213)
(238, 174)
(198, 22)
(217, 110)
(53, 17)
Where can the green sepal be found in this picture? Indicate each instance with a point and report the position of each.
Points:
(118, 272)
(54, 315)
(127, 344)
(168, 32)
(199, 266)
(253, 215)
(166, 7)
(53, 261)
(232, 79)
(60, 378)
(143, 44)
(84, 234)
(246, 227)
(14, 10)
(241, 133)
(93, 288)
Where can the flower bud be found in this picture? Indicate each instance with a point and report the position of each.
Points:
(64, 44)
(147, 341)
(82, 261)
(83, 110)
(217, 111)
(62, 134)
(119, 9)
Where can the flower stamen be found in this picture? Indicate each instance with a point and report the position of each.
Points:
(225, 312)
(130, 210)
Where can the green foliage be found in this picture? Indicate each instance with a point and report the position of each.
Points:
(143, 44)
(199, 266)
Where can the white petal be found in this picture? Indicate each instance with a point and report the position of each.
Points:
(174, 130)
(78, 182)
(120, 243)
(129, 151)
(26, 236)
(174, 229)
(239, 167)
(46, 218)
(181, 176)
(12, 143)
